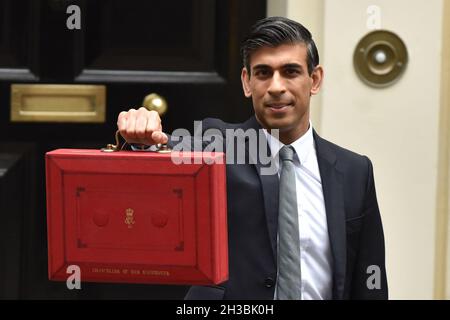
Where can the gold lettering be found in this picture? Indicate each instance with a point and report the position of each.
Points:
(155, 273)
(131, 271)
(106, 270)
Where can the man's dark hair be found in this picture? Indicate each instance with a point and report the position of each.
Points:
(275, 31)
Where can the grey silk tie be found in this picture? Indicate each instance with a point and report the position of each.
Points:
(289, 270)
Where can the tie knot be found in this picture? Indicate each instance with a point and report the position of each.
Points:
(287, 153)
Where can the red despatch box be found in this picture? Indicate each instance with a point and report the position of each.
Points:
(137, 217)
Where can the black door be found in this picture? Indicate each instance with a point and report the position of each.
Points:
(185, 51)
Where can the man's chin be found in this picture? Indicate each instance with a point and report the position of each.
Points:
(281, 125)
(270, 123)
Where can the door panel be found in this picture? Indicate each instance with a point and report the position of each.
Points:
(18, 46)
(183, 39)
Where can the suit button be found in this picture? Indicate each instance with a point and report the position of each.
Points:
(269, 282)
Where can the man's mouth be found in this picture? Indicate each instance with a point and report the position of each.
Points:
(278, 106)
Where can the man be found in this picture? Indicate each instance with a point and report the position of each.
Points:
(313, 229)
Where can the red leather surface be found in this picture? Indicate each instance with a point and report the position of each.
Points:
(136, 217)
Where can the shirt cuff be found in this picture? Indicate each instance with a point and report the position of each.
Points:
(143, 147)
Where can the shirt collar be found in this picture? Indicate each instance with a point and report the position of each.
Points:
(302, 145)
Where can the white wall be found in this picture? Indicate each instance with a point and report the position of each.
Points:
(397, 127)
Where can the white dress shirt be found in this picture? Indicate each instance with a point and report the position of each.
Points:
(316, 260)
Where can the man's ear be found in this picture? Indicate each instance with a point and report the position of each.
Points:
(317, 77)
(245, 78)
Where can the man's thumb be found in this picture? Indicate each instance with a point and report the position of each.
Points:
(159, 137)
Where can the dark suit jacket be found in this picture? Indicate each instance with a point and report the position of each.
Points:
(354, 224)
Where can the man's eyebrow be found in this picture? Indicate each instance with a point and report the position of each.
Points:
(285, 66)
(261, 66)
(293, 66)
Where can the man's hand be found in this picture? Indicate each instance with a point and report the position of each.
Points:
(141, 126)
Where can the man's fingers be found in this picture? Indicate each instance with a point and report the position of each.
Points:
(153, 125)
(131, 125)
(122, 122)
(154, 121)
(142, 119)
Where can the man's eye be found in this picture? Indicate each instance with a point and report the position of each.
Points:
(292, 72)
(262, 73)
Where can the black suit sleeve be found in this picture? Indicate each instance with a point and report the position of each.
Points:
(369, 280)
(210, 131)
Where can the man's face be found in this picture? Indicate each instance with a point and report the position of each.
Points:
(280, 88)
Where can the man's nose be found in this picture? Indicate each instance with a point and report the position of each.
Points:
(277, 85)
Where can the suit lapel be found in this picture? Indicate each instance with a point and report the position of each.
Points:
(269, 186)
(333, 194)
